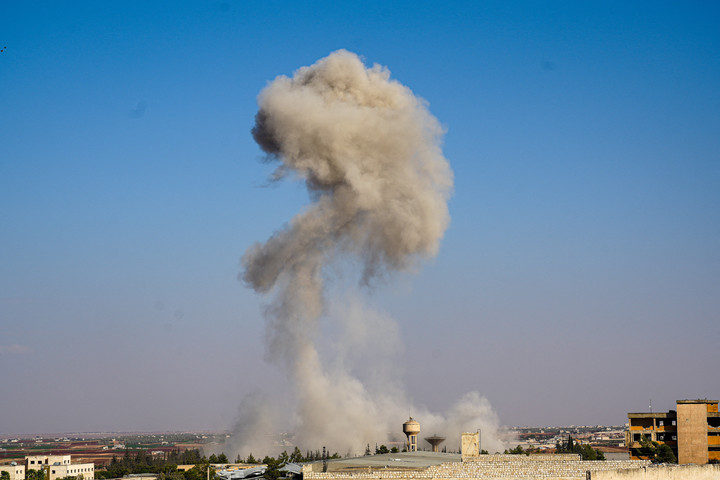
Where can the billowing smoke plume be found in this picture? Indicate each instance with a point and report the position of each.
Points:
(369, 152)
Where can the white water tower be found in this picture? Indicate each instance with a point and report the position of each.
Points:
(411, 428)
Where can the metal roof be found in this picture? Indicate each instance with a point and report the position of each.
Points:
(240, 474)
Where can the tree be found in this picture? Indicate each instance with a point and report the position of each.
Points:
(4, 475)
(193, 474)
(382, 449)
(141, 462)
(665, 455)
(200, 471)
(296, 455)
(394, 450)
(222, 458)
(655, 452)
(251, 459)
(586, 452)
(35, 474)
(272, 472)
(116, 469)
(647, 448)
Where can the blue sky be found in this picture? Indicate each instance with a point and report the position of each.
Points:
(578, 278)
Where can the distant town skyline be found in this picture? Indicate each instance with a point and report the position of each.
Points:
(577, 280)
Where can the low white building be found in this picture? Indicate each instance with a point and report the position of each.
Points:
(16, 471)
(58, 466)
(87, 470)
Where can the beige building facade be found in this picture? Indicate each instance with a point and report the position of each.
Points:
(87, 470)
(15, 470)
(36, 462)
(692, 431)
(58, 466)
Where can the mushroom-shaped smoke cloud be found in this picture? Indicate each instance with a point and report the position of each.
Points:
(369, 152)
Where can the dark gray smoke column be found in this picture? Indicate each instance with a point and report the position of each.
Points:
(369, 152)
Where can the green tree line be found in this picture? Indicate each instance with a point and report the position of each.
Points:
(140, 461)
(584, 450)
(165, 466)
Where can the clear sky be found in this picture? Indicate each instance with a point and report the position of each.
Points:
(578, 279)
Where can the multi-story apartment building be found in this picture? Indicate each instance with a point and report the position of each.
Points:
(692, 431)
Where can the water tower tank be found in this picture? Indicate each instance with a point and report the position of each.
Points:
(411, 428)
(435, 441)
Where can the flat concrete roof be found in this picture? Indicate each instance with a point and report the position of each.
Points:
(699, 401)
(671, 413)
(404, 460)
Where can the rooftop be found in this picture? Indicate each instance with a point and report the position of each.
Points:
(403, 460)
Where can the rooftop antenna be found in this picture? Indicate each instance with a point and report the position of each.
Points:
(651, 405)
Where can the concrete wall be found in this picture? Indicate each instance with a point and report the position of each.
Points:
(692, 431)
(617, 456)
(664, 472)
(470, 445)
(488, 466)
